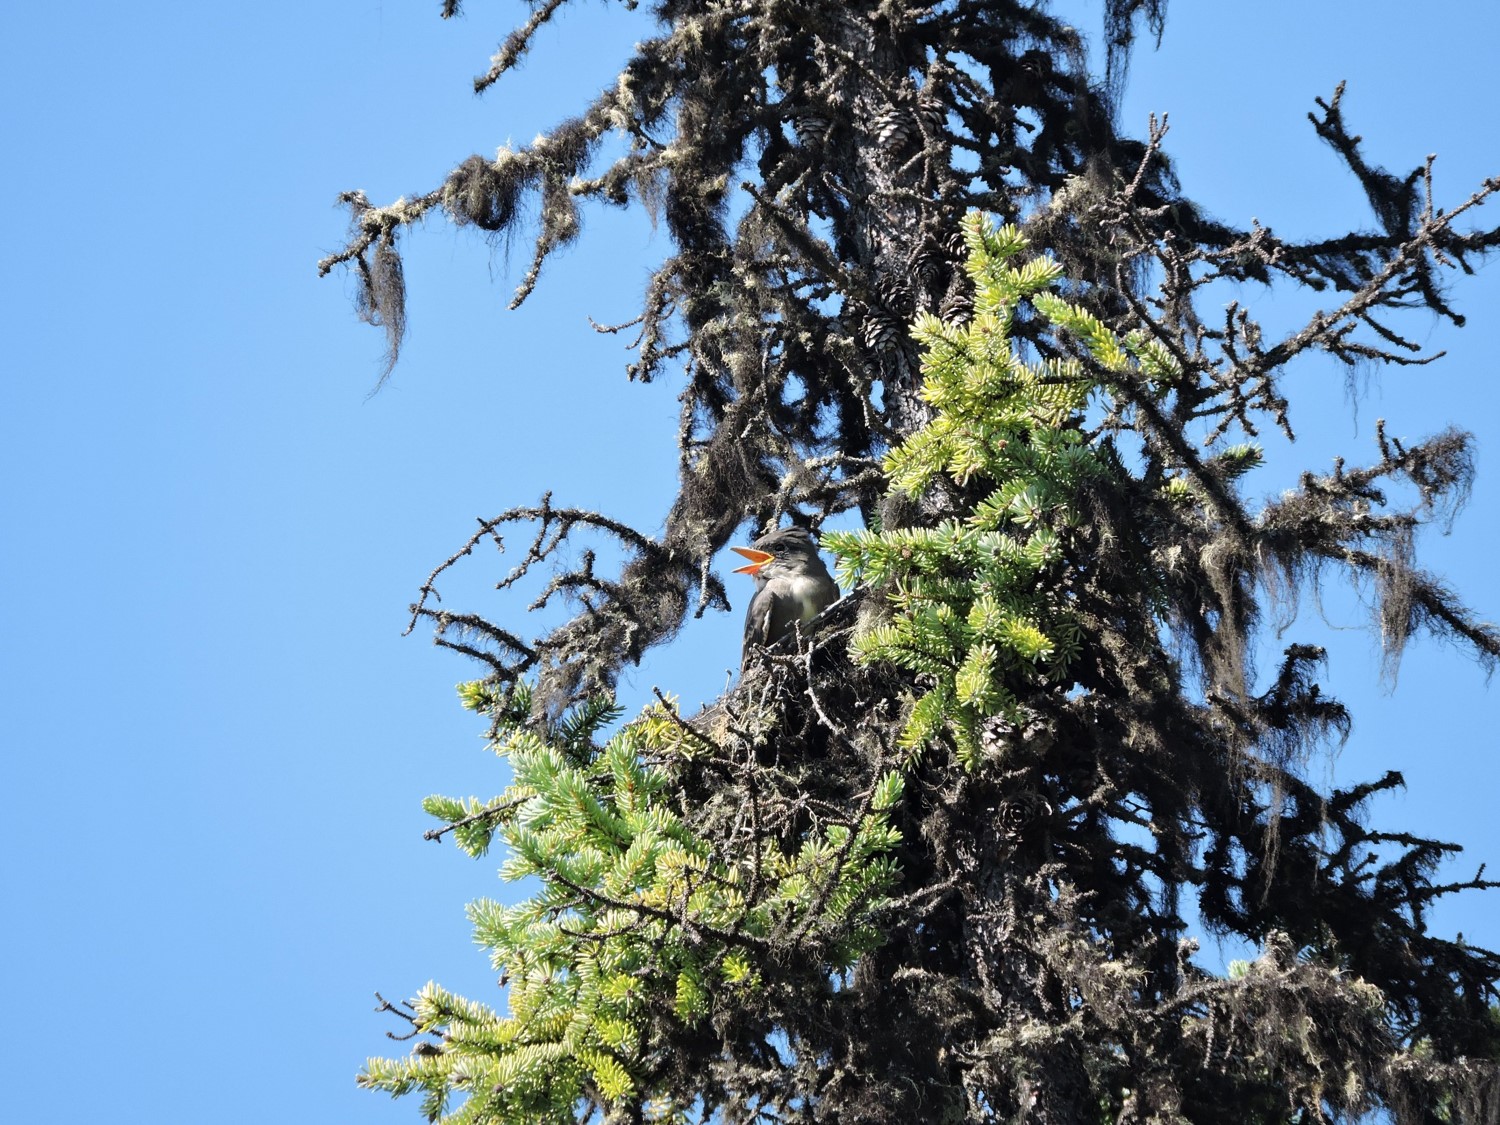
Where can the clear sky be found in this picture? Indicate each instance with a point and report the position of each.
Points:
(215, 739)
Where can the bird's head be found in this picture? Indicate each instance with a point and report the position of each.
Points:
(787, 550)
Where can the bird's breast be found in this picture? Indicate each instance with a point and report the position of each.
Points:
(810, 595)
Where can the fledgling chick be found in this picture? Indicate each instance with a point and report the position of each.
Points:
(791, 585)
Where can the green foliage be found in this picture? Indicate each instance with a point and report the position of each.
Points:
(636, 919)
(675, 932)
(974, 611)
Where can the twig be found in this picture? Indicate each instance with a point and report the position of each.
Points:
(482, 814)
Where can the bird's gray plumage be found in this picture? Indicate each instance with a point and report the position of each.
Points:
(792, 586)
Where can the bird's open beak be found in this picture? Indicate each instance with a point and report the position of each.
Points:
(757, 559)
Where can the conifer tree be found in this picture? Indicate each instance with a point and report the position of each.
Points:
(935, 861)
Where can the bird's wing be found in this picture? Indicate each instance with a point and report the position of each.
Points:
(758, 617)
(830, 593)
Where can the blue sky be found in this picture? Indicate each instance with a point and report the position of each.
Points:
(215, 738)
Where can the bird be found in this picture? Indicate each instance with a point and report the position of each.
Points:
(791, 586)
